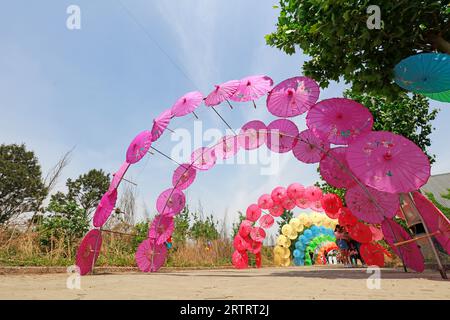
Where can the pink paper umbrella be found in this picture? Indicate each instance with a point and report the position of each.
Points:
(371, 206)
(302, 203)
(139, 146)
(388, 162)
(279, 194)
(295, 191)
(266, 221)
(187, 104)
(377, 234)
(316, 206)
(161, 229)
(255, 246)
(240, 260)
(288, 203)
(257, 234)
(88, 251)
(222, 92)
(203, 158)
(253, 212)
(265, 201)
(282, 135)
(313, 193)
(239, 243)
(410, 253)
(245, 228)
(252, 88)
(276, 210)
(118, 176)
(161, 123)
(227, 147)
(150, 257)
(436, 222)
(253, 134)
(170, 202)
(339, 120)
(183, 176)
(293, 97)
(335, 170)
(309, 147)
(104, 208)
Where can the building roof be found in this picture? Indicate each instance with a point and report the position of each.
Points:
(437, 185)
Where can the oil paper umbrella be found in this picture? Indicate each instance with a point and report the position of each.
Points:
(253, 212)
(293, 97)
(257, 234)
(360, 232)
(339, 120)
(252, 88)
(388, 162)
(161, 229)
(424, 73)
(104, 208)
(139, 147)
(316, 206)
(88, 251)
(239, 243)
(334, 168)
(170, 202)
(183, 176)
(265, 201)
(258, 260)
(441, 96)
(203, 158)
(221, 93)
(227, 147)
(346, 218)
(254, 246)
(118, 176)
(239, 260)
(309, 147)
(276, 210)
(266, 221)
(295, 191)
(410, 252)
(281, 135)
(377, 234)
(313, 193)
(288, 203)
(150, 257)
(436, 222)
(245, 228)
(252, 135)
(279, 194)
(373, 254)
(302, 202)
(371, 205)
(160, 124)
(331, 204)
(187, 104)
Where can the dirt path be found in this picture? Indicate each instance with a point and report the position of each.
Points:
(266, 283)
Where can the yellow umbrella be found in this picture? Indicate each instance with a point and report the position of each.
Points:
(295, 224)
(286, 230)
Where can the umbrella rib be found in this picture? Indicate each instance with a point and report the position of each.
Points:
(165, 155)
(226, 123)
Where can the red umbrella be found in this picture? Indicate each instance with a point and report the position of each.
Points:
(139, 147)
(253, 212)
(371, 205)
(239, 243)
(187, 104)
(360, 232)
(203, 158)
(104, 208)
(252, 88)
(339, 120)
(227, 147)
(257, 234)
(436, 222)
(302, 202)
(388, 162)
(295, 191)
(288, 203)
(335, 172)
(183, 176)
(170, 202)
(253, 134)
(161, 123)
(245, 228)
(118, 176)
(309, 147)
(258, 260)
(410, 252)
(293, 97)
(331, 204)
(265, 201)
(279, 194)
(266, 221)
(240, 260)
(281, 135)
(221, 93)
(150, 257)
(161, 229)
(373, 254)
(313, 193)
(255, 246)
(276, 210)
(88, 251)
(346, 218)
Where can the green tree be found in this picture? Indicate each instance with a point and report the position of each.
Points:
(334, 33)
(445, 210)
(21, 185)
(237, 224)
(203, 228)
(181, 229)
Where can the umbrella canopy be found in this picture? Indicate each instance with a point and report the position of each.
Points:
(288, 203)
(377, 234)
(160, 124)
(339, 120)
(331, 204)
(441, 96)
(373, 254)
(281, 135)
(139, 147)
(266, 221)
(278, 194)
(313, 193)
(227, 147)
(252, 88)
(252, 135)
(333, 168)
(222, 92)
(388, 162)
(257, 234)
(239, 243)
(265, 201)
(295, 191)
(150, 257)
(410, 253)
(161, 229)
(240, 259)
(360, 232)
(170, 202)
(245, 228)
(372, 205)
(183, 176)
(254, 246)
(104, 208)
(187, 104)
(253, 212)
(316, 206)
(88, 251)
(346, 218)
(302, 202)
(276, 210)
(424, 73)
(118, 176)
(293, 97)
(203, 158)
(434, 219)
(309, 147)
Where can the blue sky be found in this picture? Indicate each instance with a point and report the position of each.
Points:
(97, 87)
